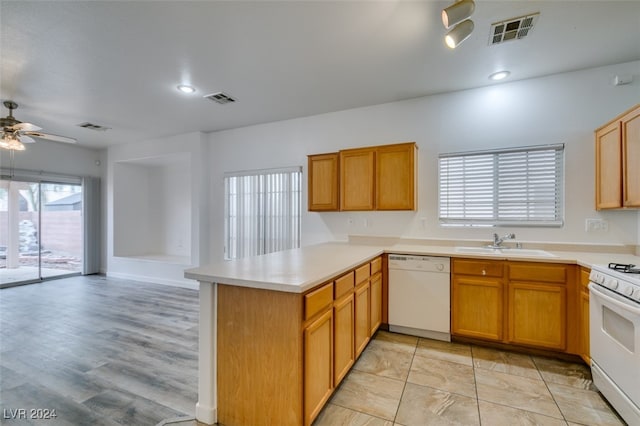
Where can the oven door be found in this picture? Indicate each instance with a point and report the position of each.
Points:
(615, 348)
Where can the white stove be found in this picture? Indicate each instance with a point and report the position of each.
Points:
(614, 332)
(619, 278)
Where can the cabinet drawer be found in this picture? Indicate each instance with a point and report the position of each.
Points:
(362, 273)
(539, 272)
(344, 284)
(318, 300)
(376, 265)
(485, 268)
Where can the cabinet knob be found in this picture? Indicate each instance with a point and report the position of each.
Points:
(484, 272)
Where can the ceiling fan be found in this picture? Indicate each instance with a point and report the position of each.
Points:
(14, 133)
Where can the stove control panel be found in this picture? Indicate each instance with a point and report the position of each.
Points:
(620, 286)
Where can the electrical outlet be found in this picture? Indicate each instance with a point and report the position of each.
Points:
(596, 225)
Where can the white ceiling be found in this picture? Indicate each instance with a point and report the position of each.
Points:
(117, 63)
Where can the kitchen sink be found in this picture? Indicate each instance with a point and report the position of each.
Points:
(480, 250)
(504, 251)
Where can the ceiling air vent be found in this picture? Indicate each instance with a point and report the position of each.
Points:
(512, 29)
(221, 98)
(92, 126)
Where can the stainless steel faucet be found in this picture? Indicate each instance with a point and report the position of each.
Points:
(497, 241)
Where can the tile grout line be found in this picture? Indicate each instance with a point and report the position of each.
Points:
(475, 384)
(404, 387)
(546, 385)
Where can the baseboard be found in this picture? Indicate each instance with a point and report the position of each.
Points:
(174, 283)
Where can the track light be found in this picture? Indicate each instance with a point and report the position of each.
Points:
(457, 12)
(459, 33)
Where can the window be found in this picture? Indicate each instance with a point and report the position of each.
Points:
(262, 211)
(520, 186)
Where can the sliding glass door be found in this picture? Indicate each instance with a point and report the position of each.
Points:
(40, 230)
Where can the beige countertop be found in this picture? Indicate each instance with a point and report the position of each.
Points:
(299, 270)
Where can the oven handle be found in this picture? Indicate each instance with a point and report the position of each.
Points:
(626, 306)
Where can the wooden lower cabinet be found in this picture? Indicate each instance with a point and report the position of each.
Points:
(537, 304)
(537, 315)
(583, 312)
(362, 309)
(344, 342)
(281, 355)
(519, 303)
(260, 353)
(318, 365)
(376, 302)
(476, 304)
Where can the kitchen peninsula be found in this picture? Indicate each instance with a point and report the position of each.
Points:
(257, 316)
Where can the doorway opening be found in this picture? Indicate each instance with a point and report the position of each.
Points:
(41, 231)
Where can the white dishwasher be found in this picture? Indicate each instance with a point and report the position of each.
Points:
(419, 296)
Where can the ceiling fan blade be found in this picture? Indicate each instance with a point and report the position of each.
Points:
(25, 127)
(26, 139)
(51, 137)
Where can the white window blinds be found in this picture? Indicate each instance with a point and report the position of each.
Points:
(262, 211)
(520, 186)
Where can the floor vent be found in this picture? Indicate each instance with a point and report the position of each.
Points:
(220, 97)
(92, 126)
(512, 29)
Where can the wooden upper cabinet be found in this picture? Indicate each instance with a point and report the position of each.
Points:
(323, 182)
(396, 177)
(372, 178)
(357, 179)
(608, 167)
(630, 126)
(618, 162)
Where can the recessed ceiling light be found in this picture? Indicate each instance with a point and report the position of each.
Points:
(186, 89)
(500, 75)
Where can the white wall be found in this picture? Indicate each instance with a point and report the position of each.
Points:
(171, 185)
(130, 201)
(559, 108)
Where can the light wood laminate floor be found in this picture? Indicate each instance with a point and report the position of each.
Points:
(99, 351)
(114, 352)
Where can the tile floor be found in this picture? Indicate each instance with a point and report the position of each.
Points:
(404, 380)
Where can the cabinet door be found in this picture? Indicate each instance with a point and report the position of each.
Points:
(608, 167)
(323, 182)
(537, 314)
(344, 342)
(362, 328)
(318, 368)
(396, 177)
(630, 125)
(357, 168)
(376, 302)
(477, 307)
(583, 315)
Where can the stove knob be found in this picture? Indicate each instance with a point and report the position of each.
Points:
(612, 284)
(636, 294)
(628, 291)
(599, 278)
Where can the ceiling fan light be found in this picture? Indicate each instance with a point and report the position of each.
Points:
(458, 34)
(457, 12)
(10, 142)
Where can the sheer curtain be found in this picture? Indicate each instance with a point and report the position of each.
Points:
(262, 211)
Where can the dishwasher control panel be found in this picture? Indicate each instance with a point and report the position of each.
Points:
(419, 263)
